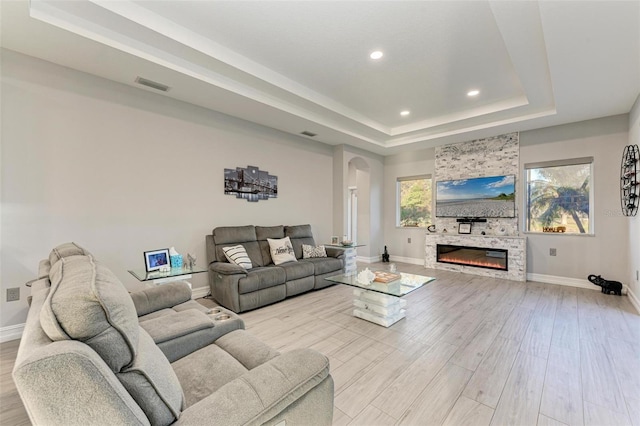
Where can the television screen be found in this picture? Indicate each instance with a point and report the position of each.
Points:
(493, 196)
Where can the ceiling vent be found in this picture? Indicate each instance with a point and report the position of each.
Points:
(152, 84)
(308, 133)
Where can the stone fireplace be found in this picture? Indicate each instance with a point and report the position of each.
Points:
(491, 256)
(480, 257)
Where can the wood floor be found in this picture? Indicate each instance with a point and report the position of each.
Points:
(472, 351)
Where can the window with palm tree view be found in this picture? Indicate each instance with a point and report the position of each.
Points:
(559, 196)
(414, 201)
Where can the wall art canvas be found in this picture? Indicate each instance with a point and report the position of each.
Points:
(250, 183)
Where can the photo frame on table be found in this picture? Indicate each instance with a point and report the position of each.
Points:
(156, 259)
(464, 228)
(335, 240)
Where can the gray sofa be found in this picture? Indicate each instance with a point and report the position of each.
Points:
(93, 354)
(241, 290)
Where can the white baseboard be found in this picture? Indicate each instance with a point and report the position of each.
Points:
(571, 282)
(376, 259)
(411, 260)
(11, 332)
(633, 299)
(200, 292)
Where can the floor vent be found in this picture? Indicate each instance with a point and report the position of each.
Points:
(152, 84)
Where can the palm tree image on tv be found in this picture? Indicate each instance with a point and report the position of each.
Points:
(492, 196)
(559, 196)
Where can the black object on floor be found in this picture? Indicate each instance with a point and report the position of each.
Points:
(385, 255)
(607, 286)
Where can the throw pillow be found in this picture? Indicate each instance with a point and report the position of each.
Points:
(238, 256)
(313, 251)
(281, 250)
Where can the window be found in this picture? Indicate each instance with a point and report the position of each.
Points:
(559, 196)
(414, 201)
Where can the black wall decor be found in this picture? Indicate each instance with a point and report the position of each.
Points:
(629, 180)
(250, 183)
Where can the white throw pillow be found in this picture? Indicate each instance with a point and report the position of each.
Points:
(313, 251)
(238, 256)
(281, 250)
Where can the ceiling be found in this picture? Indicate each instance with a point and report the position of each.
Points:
(304, 65)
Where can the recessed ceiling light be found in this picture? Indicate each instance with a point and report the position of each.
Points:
(376, 55)
(405, 113)
(473, 93)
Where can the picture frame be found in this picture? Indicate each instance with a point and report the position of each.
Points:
(335, 240)
(156, 259)
(464, 228)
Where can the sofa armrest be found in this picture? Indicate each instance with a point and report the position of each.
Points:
(334, 252)
(266, 392)
(227, 268)
(161, 297)
(172, 326)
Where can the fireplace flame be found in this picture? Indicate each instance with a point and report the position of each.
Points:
(485, 264)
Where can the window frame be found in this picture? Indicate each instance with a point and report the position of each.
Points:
(401, 179)
(590, 232)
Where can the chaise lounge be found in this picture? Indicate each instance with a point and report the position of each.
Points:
(93, 354)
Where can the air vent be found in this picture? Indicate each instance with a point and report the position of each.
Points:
(152, 84)
(308, 133)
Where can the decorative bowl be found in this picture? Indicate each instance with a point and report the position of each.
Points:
(347, 243)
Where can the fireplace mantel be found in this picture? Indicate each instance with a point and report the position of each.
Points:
(516, 245)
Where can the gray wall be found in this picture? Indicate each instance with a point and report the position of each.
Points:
(397, 238)
(121, 170)
(634, 222)
(578, 256)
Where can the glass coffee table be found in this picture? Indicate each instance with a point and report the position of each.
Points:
(379, 302)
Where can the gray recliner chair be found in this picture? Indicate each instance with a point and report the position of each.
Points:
(86, 358)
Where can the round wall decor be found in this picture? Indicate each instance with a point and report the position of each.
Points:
(629, 180)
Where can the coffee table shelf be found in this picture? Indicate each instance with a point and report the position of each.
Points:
(381, 303)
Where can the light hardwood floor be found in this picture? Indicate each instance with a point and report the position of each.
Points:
(472, 351)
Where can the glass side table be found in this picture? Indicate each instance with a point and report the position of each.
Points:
(175, 274)
(350, 254)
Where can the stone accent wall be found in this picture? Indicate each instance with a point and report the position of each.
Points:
(516, 261)
(498, 155)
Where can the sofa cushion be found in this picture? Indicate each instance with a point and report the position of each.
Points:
(264, 232)
(260, 278)
(182, 323)
(281, 250)
(66, 250)
(324, 265)
(299, 235)
(238, 256)
(313, 251)
(153, 384)
(296, 270)
(224, 236)
(197, 382)
(88, 303)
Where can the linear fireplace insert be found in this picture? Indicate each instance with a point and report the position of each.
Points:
(479, 257)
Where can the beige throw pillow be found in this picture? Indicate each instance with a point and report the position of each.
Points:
(281, 250)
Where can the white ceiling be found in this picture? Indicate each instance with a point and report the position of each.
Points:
(304, 65)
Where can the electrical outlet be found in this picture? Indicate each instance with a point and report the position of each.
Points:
(409, 240)
(552, 252)
(13, 294)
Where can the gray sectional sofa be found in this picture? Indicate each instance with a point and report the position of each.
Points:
(241, 290)
(93, 354)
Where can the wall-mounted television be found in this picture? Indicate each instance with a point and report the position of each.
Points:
(482, 197)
